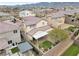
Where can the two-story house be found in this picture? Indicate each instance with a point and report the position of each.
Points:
(56, 19)
(35, 25)
(9, 35)
(72, 17)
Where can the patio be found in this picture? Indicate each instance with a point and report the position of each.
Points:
(44, 44)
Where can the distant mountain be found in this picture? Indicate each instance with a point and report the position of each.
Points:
(47, 4)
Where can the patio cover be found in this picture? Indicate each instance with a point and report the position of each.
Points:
(3, 43)
(23, 47)
(39, 34)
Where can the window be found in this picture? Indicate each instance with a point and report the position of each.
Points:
(72, 20)
(15, 31)
(16, 43)
(13, 44)
(9, 42)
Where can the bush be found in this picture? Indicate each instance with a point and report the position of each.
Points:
(58, 34)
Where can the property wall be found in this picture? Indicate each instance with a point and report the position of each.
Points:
(15, 37)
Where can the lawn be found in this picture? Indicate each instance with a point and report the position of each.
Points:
(14, 50)
(72, 51)
(46, 44)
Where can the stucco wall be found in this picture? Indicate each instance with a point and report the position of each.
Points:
(68, 20)
(15, 37)
(58, 21)
(39, 24)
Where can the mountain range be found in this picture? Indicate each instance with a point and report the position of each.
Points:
(46, 4)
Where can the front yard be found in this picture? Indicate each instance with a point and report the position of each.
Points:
(72, 51)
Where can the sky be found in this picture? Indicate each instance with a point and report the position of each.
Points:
(16, 3)
(20, 2)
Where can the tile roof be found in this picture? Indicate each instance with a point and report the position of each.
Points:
(44, 28)
(3, 43)
(69, 12)
(30, 20)
(57, 15)
(5, 27)
(63, 13)
(24, 47)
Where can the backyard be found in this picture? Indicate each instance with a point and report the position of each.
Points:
(45, 45)
(72, 51)
(57, 35)
(14, 50)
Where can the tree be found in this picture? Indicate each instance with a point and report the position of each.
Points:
(58, 34)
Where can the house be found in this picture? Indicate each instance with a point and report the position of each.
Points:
(71, 17)
(26, 13)
(57, 19)
(32, 22)
(9, 35)
(34, 25)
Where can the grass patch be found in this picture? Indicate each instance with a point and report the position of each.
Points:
(46, 44)
(14, 50)
(72, 51)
